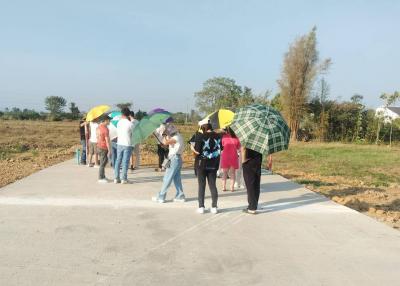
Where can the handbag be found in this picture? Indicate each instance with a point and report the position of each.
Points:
(166, 163)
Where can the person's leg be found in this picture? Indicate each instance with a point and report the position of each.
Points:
(103, 162)
(177, 178)
(212, 184)
(167, 180)
(114, 153)
(160, 153)
(224, 176)
(125, 161)
(249, 179)
(83, 158)
(257, 172)
(118, 162)
(96, 154)
(137, 155)
(201, 179)
(90, 153)
(233, 178)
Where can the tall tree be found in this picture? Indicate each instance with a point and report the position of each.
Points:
(322, 94)
(74, 109)
(357, 99)
(300, 67)
(218, 92)
(124, 104)
(55, 104)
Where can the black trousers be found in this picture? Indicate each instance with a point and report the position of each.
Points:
(103, 162)
(252, 178)
(211, 176)
(162, 154)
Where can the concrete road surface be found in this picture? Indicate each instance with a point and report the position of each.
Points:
(60, 227)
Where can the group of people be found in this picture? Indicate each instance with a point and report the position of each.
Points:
(100, 146)
(212, 151)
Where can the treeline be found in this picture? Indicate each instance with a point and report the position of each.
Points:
(55, 112)
(306, 106)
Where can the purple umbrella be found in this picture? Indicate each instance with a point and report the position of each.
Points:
(160, 110)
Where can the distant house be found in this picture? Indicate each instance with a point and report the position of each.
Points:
(388, 113)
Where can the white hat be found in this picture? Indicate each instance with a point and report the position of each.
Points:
(204, 121)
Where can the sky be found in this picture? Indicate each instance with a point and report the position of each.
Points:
(159, 53)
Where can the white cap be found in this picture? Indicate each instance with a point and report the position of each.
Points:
(204, 121)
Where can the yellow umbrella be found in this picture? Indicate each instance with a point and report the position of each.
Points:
(221, 118)
(96, 112)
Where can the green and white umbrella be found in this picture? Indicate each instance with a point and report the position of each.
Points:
(147, 125)
(261, 128)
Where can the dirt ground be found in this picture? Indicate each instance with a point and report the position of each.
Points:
(29, 146)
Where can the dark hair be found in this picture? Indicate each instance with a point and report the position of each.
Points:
(132, 114)
(125, 111)
(231, 132)
(206, 127)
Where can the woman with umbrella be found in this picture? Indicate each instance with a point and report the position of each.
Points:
(261, 130)
(173, 168)
(208, 148)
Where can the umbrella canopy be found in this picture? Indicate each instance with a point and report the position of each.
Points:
(220, 118)
(96, 112)
(148, 125)
(115, 117)
(261, 128)
(161, 110)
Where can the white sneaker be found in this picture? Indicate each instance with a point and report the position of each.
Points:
(181, 200)
(102, 181)
(201, 210)
(125, 182)
(214, 210)
(158, 200)
(96, 166)
(236, 186)
(116, 181)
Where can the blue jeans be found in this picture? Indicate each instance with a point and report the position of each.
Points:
(123, 156)
(114, 147)
(173, 173)
(83, 157)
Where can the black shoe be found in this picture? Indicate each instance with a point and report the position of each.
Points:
(253, 212)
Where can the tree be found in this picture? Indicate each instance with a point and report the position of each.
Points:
(276, 102)
(218, 92)
(300, 67)
(322, 94)
(55, 104)
(357, 99)
(123, 105)
(74, 110)
(140, 114)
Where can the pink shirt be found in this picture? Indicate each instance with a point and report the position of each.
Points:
(229, 156)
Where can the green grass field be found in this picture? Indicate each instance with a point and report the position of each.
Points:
(370, 165)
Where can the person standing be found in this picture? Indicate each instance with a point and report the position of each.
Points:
(124, 147)
(252, 176)
(93, 144)
(83, 132)
(229, 157)
(208, 148)
(162, 150)
(173, 170)
(192, 142)
(103, 147)
(136, 146)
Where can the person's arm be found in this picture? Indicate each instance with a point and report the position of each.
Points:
(244, 155)
(198, 145)
(169, 141)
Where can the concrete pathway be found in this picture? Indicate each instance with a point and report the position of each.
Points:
(60, 227)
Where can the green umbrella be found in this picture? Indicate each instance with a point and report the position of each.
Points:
(261, 128)
(148, 125)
